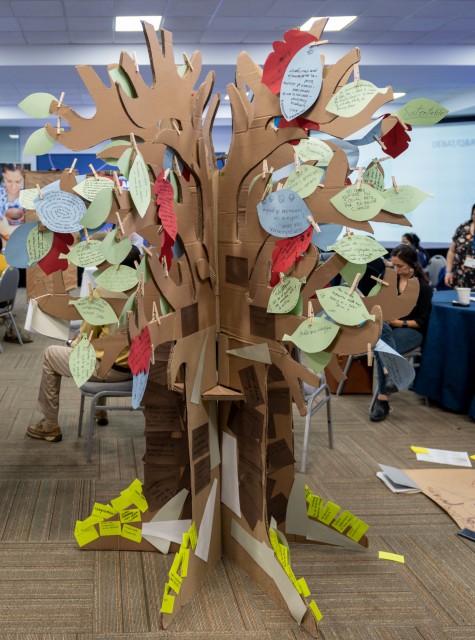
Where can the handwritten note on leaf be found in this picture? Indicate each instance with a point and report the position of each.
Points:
(301, 83)
(422, 112)
(284, 296)
(359, 249)
(283, 214)
(60, 211)
(140, 351)
(408, 199)
(314, 337)
(122, 278)
(95, 311)
(374, 175)
(85, 254)
(82, 362)
(139, 185)
(344, 307)
(314, 149)
(38, 244)
(305, 180)
(91, 187)
(352, 98)
(358, 204)
(27, 198)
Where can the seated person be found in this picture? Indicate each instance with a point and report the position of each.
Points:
(404, 334)
(56, 365)
(415, 241)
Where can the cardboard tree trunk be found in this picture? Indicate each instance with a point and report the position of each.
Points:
(219, 460)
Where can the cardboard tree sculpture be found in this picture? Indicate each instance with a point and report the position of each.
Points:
(231, 267)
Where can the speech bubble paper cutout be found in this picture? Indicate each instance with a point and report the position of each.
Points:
(358, 204)
(140, 352)
(113, 251)
(316, 150)
(38, 244)
(82, 361)
(85, 254)
(121, 278)
(283, 214)
(305, 180)
(16, 253)
(284, 296)
(314, 337)
(277, 61)
(95, 310)
(289, 249)
(344, 307)
(358, 249)
(60, 211)
(302, 82)
(421, 112)
(352, 98)
(404, 200)
(91, 187)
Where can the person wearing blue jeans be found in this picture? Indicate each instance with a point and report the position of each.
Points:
(403, 334)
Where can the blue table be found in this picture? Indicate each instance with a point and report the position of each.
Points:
(447, 371)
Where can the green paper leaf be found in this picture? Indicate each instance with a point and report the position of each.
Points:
(374, 174)
(314, 337)
(139, 185)
(91, 187)
(124, 162)
(95, 311)
(38, 143)
(119, 76)
(164, 306)
(316, 361)
(82, 361)
(115, 252)
(120, 142)
(344, 307)
(122, 278)
(85, 254)
(128, 306)
(38, 244)
(37, 104)
(358, 249)
(98, 210)
(421, 112)
(375, 290)
(408, 199)
(352, 98)
(305, 180)
(314, 149)
(358, 204)
(145, 269)
(284, 297)
(349, 271)
(27, 197)
(298, 309)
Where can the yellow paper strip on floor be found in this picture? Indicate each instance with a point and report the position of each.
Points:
(395, 557)
(419, 450)
(103, 511)
(130, 515)
(193, 535)
(304, 590)
(315, 610)
(131, 533)
(86, 536)
(110, 528)
(184, 563)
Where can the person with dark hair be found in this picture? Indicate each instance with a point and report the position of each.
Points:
(404, 334)
(56, 365)
(460, 267)
(414, 240)
(12, 212)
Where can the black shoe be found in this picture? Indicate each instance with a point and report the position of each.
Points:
(390, 388)
(380, 411)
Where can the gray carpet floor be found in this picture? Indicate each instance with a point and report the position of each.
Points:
(51, 590)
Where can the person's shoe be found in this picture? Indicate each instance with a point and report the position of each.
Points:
(101, 418)
(43, 431)
(11, 336)
(380, 411)
(390, 388)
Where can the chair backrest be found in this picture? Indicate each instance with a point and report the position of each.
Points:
(8, 288)
(436, 263)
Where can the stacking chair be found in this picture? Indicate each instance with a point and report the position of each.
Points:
(96, 390)
(414, 357)
(434, 267)
(8, 290)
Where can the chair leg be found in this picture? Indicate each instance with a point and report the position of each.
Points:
(81, 414)
(303, 466)
(12, 320)
(339, 389)
(329, 418)
(92, 411)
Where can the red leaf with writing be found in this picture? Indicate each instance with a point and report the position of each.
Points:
(278, 61)
(288, 250)
(140, 352)
(396, 140)
(52, 262)
(166, 249)
(166, 212)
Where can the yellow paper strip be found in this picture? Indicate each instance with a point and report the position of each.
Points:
(177, 561)
(328, 512)
(283, 555)
(193, 535)
(419, 450)
(121, 502)
(168, 603)
(186, 540)
(303, 587)
(86, 536)
(345, 519)
(314, 505)
(384, 555)
(103, 511)
(109, 528)
(130, 515)
(315, 610)
(174, 581)
(358, 530)
(86, 524)
(472, 457)
(131, 533)
(184, 563)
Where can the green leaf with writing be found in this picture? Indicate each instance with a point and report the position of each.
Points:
(284, 296)
(38, 244)
(358, 249)
(118, 75)
(352, 98)
(124, 162)
(37, 104)
(374, 175)
(38, 143)
(404, 200)
(305, 180)
(316, 361)
(421, 112)
(27, 197)
(91, 187)
(314, 149)
(349, 271)
(82, 361)
(139, 185)
(344, 307)
(98, 210)
(113, 251)
(313, 337)
(120, 278)
(358, 204)
(95, 310)
(85, 254)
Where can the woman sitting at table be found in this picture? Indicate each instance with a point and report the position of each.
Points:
(404, 334)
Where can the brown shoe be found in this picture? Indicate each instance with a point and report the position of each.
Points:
(47, 432)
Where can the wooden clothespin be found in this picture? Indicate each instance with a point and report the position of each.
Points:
(314, 224)
(61, 98)
(176, 165)
(73, 164)
(165, 268)
(90, 337)
(89, 287)
(117, 266)
(119, 223)
(159, 229)
(296, 161)
(40, 193)
(281, 278)
(134, 58)
(380, 142)
(58, 126)
(355, 282)
(41, 228)
(117, 182)
(403, 124)
(318, 43)
(187, 61)
(136, 265)
(175, 126)
(383, 159)
(94, 172)
(155, 315)
(396, 188)
(134, 143)
(152, 355)
(359, 180)
(386, 284)
(147, 251)
(279, 186)
(267, 190)
(265, 169)
(88, 240)
(142, 281)
(166, 173)
(356, 74)
(370, 355)
(310, 313)
(348, 232)
(272, 126)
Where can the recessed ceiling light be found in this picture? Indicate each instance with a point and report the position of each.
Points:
(398, 95)
(133, 23)
(335, 23)
(13, 136)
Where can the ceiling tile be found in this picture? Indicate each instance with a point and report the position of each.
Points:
(222, 37)
(91, 37)
(43, 24)
(402, 8)
(36, 8)
(205, 8)
(187, 37)
(128, 37)
(461, 24)
(439, 37)
(416, 24)
(298, 9)
(185, 23)
(262, 37)
(231, 8)
(9, 24)
(347, 7)
(443, 9)
(140, 7)
(468, 39)
(351, 38)
(89, 8)
(397, 37)
(11, 37)
(47, 37)
(85, 24)
(366, 24)
(5, 11)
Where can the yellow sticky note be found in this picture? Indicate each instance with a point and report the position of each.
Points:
(303, 587)
(328, 512)
(131, 533)
(103, 511)
(168, 603)
(472, 457)
(345, 519)
(121, 502)
(419, 450)
(358, 529)
(384, 555)
(314, 505)
(274, 540)
(315, 610)
(139, 499)
(193, 535)
(109, 528)
(184, 563)
(308, 492)
(85, 524)
(185, 540)
(86, 536)
(288, 570)
(177, 561)
(130, 515)
(136, 485)
(174, 581)
(283, 555)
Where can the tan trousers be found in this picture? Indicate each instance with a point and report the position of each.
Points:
(55, 366)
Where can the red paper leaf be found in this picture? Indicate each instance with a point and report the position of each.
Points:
(166, 249)
(288, 250)
(166, 212)
(140, 352)
(278, 61)
(396, 140)
(52, 262)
